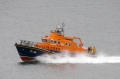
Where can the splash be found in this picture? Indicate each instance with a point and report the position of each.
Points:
(79, 58)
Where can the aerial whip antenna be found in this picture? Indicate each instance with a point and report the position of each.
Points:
(63, 27)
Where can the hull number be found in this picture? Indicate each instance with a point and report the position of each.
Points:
(32, 51)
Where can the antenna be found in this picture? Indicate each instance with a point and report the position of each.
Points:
(60, 29)
(63, 27)
(63, 24)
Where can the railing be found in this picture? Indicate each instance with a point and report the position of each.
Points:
(27, 43)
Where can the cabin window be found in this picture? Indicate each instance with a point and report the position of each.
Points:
(44, 40)
(58, 42)
(51, 41)
(67, 44)
(54, 41)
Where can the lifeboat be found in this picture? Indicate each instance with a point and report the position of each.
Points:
(54, 43)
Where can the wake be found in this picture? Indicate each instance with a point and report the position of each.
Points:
(79, 58)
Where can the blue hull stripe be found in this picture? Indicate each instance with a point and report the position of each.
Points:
(31, 51)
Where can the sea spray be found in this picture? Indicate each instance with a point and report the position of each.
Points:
(79, 58)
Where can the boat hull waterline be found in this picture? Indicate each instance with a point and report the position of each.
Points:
(27, 53)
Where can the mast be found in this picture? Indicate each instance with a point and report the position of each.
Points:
(60, 29)
(63, 27)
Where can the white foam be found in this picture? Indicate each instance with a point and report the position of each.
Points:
(79, 58)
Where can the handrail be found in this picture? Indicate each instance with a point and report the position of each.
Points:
(27, 43)
(73, 37)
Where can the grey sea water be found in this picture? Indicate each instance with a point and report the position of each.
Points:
(97, 22)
